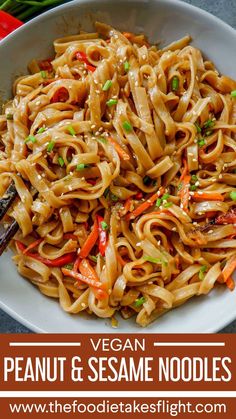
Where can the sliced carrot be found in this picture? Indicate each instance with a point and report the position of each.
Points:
(32, 246)
(101, 294)
(75, 275)
(184, 192)
(127, 205)
(230, 283)
(229, 268)
(121, 152)
(146, 204)
(90, 241)
(207, 196)
(185, 170)
(128, 35)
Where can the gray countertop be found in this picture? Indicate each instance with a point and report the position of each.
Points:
(225, 10)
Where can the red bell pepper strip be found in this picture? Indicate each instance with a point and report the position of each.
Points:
(58, 262)
(102, 236)
(32, 245)
(81, 56)
(61, 95)
(45, 65)
(8, 24)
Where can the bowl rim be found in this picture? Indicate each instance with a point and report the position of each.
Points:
(70, 5)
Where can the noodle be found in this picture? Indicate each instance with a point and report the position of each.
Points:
(123, 156)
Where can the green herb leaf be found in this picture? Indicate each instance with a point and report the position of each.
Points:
(71, 130)
(30, 138)
(50, 146)
(201, 272)
(112, 102)
(139, 302)
(126, 66)
(107, 85)
(104, 225)
(82, 166)
(41, 130)
(43, 74)
(68, 266)
(127, 126)
(233, 93)
(175, 83)
(201, 142)
(233, 195)
(9, 116)
(61, 161)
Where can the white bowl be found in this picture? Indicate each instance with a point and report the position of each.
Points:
(164, 20)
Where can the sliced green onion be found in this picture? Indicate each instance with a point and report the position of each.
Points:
(201, 272)
(41, 130)
(175, 83)
(233, 93)
(30, 138)
(167, 204)
(82, 166)
(107, 85)
(43, 74)
(199, 130)
(193, 187)
(147, 180)
(233, 195)
(155, 260)
(180, 186)
(165, 196)
(209, 132)
(68, 266)
(9, 116)
(194, 178)
(112, 102)
(50, 146)
(71, 130)
(158, 202)
(104, 225)
(201, 142)
(209, 124)
(127, 126)
(139, 302)
(126, 66)
(61, 161)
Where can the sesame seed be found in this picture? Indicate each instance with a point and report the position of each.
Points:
(191, 193)
(200, 213)
(150, 282)
(93, 126)
(97, 91)
(181, 205)
(200, 192)
(190, 154)
(197, 183)
(38, 102)
(136, 83)
(70, 188)
(173, 229)
(100, 129)
(159, 242)
(39, 177)
(71, 173)
(194, 159)
(138, 244)
(83, 305)
(220, 176)
(210, 232)
(195, 141)
(95, 81)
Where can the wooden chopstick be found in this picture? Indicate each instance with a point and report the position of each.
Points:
(7, 199)
(8, 234)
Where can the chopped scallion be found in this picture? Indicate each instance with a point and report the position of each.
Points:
(127, 126)
(193, 187)
(209, 124)
(103, 140)
(106, 192)
(201, 272)
(41, 130)
(71, 130)
(93, 258)
(233, 195)
(175, 83)
(82, 166)
(167, 204)
(30, 138)
(61, 161)
(114, 197)
(201, 142)
(43, 74)
(68, 266)
(107, 85)
(104, 225)
(139, 302)
(50, 146)
(198, 128)
(112, 102)
(233, 93)
(126, 66)
(158, 202)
